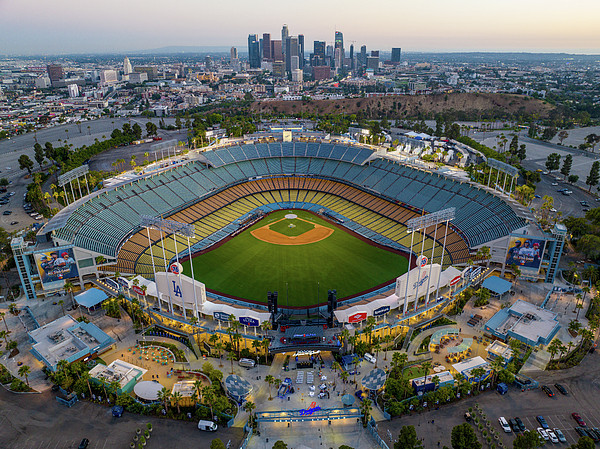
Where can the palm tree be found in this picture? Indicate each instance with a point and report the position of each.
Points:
(62, 365)
(496, 366)
(479, 373)
(115, 387)
(231, 357)
(265, 326)
(366, 408)
(344, 376)
(249, 407)
(164, 395)
(176, 397)
(24, 371)
(209, 395)
(265, 344)
(387, 339)
(5, 334)
(574, 326)
(399, 360)
(69, 289)
(270, 379)
(426, 367)
(104, 383)
(256, 345)
(86, 376)
(277, 383)
(219, 346)
(198, 387)
(61, 303)
(2, 315)
(355, 362)
(345, 335)
(578, 306)
(376, 348)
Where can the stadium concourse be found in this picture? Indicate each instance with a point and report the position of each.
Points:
(219, 191)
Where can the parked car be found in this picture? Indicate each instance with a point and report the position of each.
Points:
(370, 358)
(513, 425)
(504, 424)
(552, 436)
(548, 391)
(560, 435)
(84, 443)
(543, 434)
(7, 212)
(542, 421)
(520, 424)
(14, 223)
(555, 183)
(581, 431)
(579, 419)
(561, 389)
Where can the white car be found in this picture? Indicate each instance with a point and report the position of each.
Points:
(504, 424)
(552, 210)
(369, 358)
(543, 434)
(555, 183)
(552, 436)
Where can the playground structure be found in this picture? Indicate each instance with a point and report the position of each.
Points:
(285, 388)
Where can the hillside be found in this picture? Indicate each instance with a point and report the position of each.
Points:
(465, 106)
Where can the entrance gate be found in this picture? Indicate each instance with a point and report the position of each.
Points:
(313, 413)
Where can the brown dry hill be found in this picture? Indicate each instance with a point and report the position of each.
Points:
(409, 106)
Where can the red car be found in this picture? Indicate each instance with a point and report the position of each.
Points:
(578, 418)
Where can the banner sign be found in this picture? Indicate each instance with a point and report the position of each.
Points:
(455, 281)
(357, 317)
(138, 290)
(179, 289)
(55, 266)
(250, 322)
(525, 252)
(221, 316)
(381, 311)
(309, 411)
(418, 279)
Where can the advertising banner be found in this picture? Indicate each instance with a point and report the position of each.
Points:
(138, 290)
(357, 317)
(248, 321)
(112, 283)
(455, 281)
(525, 252)
(381, 311)
(55, 266)
(418, 280)
(221, 316)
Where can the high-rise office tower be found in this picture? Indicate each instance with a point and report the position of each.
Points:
(276, 50)
(291, 49)
(319, 48)
(295, 63)
(351, 56)
(301, 50)
(363, 55)
(339, 43)
(253, 51)
(337, 58)
(396, 55)
(266, 47)
(233, 54)
(55, 72)
(208, 63)
(375, 53)
(329, 51)
(285, 33)
(127, 69)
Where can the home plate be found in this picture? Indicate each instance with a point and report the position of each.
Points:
(291, 216)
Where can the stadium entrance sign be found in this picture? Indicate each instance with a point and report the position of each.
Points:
(381, 311)
(138, 290)
(357, 317)
(248, 321)
(455, 281)
(309, 411)
(221, 316)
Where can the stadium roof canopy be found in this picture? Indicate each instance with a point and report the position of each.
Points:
(497, 285)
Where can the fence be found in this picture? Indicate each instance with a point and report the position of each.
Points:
(247, 437)
(372, 427)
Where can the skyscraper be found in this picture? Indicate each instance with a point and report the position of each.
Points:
(233, 54)
(276, 51)
(351, 56)
(339, 43)
(301, 50)
(363, 55)
(127, 69)
(319, 48)
(285, 32)
(291, 49)
(253, 51)
(396, 55)
(267, 47)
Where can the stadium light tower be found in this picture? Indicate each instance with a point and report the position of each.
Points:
(422, 223)
(174, 228)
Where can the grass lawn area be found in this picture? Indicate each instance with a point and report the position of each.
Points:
(299, 227)
(248, 268)
(413, 372)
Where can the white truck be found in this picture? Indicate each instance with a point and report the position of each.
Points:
(208, 426)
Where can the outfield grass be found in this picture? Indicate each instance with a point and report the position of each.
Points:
(283, 227)
(247, 267)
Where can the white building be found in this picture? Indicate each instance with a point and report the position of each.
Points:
(73, 90)
(43, 82)
(297, 75)
(127, 68)
(108, 77)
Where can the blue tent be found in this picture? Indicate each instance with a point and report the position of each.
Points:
(497, 285)
(91, 298)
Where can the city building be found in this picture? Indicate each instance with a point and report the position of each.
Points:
(301, 50)
(150, 71)
(363, 55)
(321, 72)
(525, 322)
(253, 51)
(108, 77)
(67, 339)
(233, 54)
(339, 44)
(276, 50)
(285, 32)
(291, 49)
(266, 47)
(396, 55)
(138, 77)
(73, 90)
(126, 374)
(297, 75)
(42, 82)
(127, 69)
(373, 62)
(55, 73)
(279, 69)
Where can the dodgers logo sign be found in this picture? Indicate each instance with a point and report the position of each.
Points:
(177, 290)
(248, 321)
(309, 411)
(422, 261)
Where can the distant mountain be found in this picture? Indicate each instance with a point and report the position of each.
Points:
(183, 49)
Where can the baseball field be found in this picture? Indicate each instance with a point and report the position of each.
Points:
(300, 251)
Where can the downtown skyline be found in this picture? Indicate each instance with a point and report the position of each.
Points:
(65, 27)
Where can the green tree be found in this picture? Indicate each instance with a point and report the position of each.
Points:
(567, 164)
(528, 440)
(366, 407)
(279, 445)
(24, 371)
(553, 162)
(562, 135)
(463, 437)
(407, 439)
(164, 395)
(573, 179)
(151, 129)
(592, 179)
(39, 154)
(270, 379)
(554, 348)
(25, 163)
(592, 140)
(137, 131)
(217, 444)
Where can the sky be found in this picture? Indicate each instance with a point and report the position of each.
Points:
(70, 26)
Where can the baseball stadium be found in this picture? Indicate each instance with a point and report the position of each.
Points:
(299, 217)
